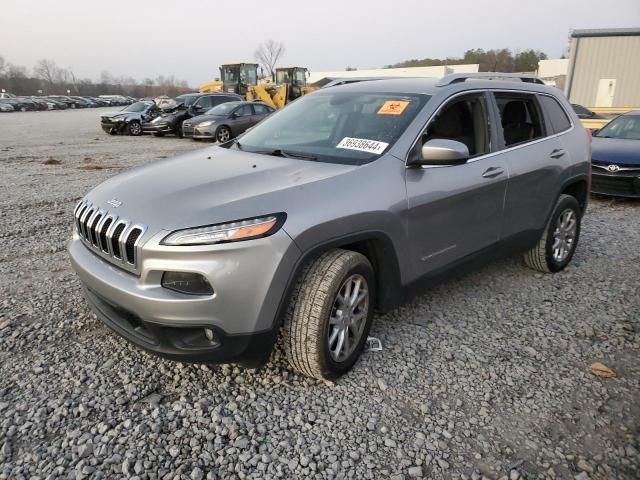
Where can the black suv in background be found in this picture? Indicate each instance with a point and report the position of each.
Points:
(186, 106)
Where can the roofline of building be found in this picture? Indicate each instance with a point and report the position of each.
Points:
(606, 32)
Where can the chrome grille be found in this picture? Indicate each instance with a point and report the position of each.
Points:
(113, 238)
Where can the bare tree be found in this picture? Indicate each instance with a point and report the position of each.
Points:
(47, 70)
(268, 54)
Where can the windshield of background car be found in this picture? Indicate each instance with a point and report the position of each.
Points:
(186, 99)
(222, 109)
(136, 107)
(627, 127)
(338, 127)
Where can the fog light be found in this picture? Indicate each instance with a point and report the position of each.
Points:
(188, 283)
(210, 335)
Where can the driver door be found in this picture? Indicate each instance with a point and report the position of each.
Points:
(456, 210)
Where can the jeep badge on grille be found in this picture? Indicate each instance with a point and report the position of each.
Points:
(114, 202)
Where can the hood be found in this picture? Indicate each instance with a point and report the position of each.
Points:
(203, 118)
(120, 114)
(615, 150)
(209, 186)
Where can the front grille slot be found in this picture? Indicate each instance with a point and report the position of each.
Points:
(131, 244)
(110, 237)
(103, 234)
(94, 224)
(115, 240)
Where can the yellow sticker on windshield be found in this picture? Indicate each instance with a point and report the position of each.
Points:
(393, 107)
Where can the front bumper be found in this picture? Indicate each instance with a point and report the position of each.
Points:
(619, 184)
(205, 133)
(249, 280)
(157, 128)
(113, 126)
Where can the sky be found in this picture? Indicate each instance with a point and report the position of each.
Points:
(190, 39)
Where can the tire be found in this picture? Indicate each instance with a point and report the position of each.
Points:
(314, 324)
(223, 134)
(113, 131)
(178, 131)
(558, 243)
(23, 109)
(134, 128)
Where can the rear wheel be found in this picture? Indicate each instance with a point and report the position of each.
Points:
(134, 128)
(558, 243)
(329, 315)
(223, 134)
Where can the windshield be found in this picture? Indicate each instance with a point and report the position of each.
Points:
(248, 75)
(222, 109)
(136, 107)
(334, 126)
(186, 99)
(625, 126)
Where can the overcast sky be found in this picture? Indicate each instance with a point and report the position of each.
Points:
(190, 39)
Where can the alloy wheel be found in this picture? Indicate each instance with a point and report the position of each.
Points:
(348, 317)
(223, 135)
(564, 235)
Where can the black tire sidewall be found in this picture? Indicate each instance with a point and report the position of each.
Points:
(332, 368)
(561, 206)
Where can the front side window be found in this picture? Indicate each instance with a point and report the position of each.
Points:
(465, 120)
(555, 113)
(332, 125)
(627, 127)
(262, 109)
(520, 118)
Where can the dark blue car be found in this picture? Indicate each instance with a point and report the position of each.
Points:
(616, 157)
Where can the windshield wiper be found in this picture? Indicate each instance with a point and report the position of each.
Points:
(287, 154)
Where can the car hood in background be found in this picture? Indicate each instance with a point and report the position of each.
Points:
(616, 150)
(208, 186)
(203, 118)
(121, 114)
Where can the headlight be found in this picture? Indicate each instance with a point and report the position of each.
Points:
(227, 232)
(208, 123)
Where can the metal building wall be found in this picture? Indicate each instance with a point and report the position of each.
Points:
(595, 58)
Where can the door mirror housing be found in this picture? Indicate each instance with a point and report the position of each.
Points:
(440, 151)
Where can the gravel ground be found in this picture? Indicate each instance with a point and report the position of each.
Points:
(485, 376)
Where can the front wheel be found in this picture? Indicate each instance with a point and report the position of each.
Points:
(134, 128)
(223, 134)
(558, 243)
(329, 315)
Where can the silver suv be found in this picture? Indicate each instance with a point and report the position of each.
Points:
(336, 206)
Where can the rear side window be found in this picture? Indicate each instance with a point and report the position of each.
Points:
(555, 114)
(520, 117)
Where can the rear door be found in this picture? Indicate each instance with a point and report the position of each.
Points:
(455, 211)
(534, 157)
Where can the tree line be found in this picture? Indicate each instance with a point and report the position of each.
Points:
(47, 78)
(496, 60)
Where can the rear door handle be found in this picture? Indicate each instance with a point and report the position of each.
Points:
(492, 172)
(557, 153)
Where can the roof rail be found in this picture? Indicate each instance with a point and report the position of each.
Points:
(462, 77)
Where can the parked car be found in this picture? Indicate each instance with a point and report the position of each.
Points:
(18, 104)
(6, 107)
(185, 106)
(58, 104)
(584, 112)
(226, 121)
(130, 119)
(337, 205)
(615, 157)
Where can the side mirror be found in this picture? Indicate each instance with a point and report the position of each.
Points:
(233, 116)
(443, 152)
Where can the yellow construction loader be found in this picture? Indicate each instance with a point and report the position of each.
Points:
(242, 78)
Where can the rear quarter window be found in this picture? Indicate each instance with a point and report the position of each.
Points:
(555, 114)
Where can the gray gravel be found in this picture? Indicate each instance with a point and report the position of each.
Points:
(486, 376)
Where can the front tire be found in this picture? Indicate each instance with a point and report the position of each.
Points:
(134, 128)
(558, 243)
(223, 134)
(329, 315)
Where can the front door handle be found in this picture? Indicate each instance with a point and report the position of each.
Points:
(492, 172)
(557, 153)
